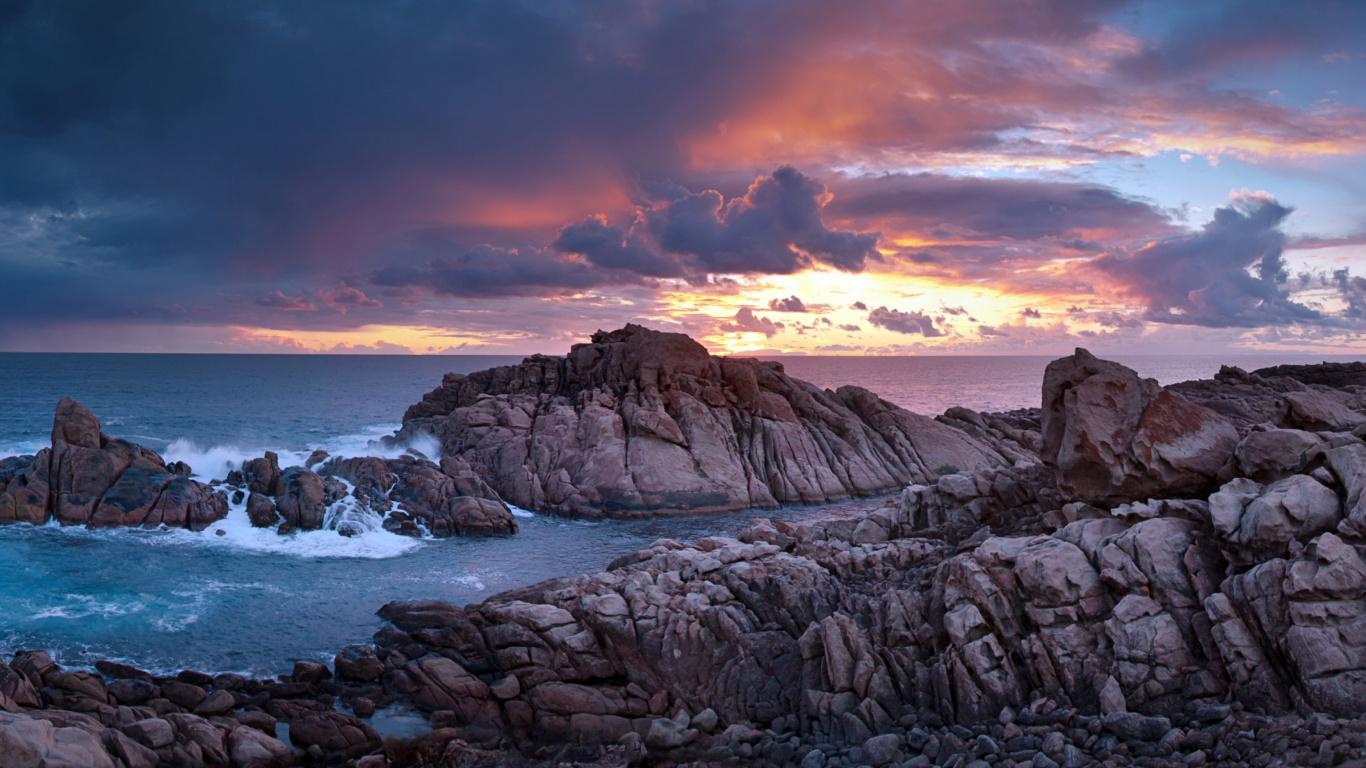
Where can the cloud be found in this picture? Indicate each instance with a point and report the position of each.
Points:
(860, 306)
(850, 327)
(612, 248)
(789, 304)
(774, 228)
(1230, 274)
(838, 348)
(344, 297)
(904, 322)
(277, 300)
(745, 321)
(1031, 312)
(490, 271)
(377, 348)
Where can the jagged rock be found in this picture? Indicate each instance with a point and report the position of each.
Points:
(639, 421)
(1115, 437)
(87, 478)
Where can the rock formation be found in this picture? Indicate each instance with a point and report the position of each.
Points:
(1201, 605)
(641, 421)
(411, 494)
(88, 478)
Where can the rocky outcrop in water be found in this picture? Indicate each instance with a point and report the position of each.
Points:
(640, 421)
(88, 478)
(411, 495)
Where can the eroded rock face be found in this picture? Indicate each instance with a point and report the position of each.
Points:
(1114, 436)
(88, 478)
(641, 421)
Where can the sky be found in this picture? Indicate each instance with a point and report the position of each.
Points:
(867, 177)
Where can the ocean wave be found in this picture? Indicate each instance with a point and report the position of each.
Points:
(214, 462)
(370, 541)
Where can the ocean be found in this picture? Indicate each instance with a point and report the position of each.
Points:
(252, 601)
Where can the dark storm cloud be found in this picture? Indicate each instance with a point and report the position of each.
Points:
(1230, 274)
(977, 208)
(904, 322)
(776, 227)
(612, 248)
(488, 271)
(277, 300)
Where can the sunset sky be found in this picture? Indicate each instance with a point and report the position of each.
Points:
(911, 177)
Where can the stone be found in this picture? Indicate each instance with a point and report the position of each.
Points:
(330, 731)
(153, 733)
(310, 672)
(183, 695)
(217, 703)
(666, 734)
(1113, 436)
(249, 748)
(1274, 454)
(883, 750)
(358, 664)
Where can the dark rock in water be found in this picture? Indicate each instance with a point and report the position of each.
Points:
(261, 510)
(316, 457)
(304, 497)
(179, 468)
(263, 475)
(449, 499)
(640, 421)
(87, 478)
(116, 671)
(358, 663)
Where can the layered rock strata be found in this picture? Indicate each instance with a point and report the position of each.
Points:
(639, 421)
(88, 478)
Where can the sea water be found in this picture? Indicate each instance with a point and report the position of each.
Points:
(252, 601)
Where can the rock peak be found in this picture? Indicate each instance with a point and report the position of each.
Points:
(75, 425)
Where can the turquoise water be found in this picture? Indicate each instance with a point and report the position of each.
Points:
(251, 601)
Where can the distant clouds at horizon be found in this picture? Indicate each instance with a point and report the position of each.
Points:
(861, 177)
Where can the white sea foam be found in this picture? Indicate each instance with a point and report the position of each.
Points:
(519, 512)
(371, 540)
(216, 461)
(82, 606)
(22, 448)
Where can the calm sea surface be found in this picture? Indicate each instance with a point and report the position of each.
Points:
(252, 601)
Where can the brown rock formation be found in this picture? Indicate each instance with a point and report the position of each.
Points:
(1114, 436)
(641, 421)
(88, 478)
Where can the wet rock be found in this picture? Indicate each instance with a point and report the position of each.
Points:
(358, 663)
(261, 510)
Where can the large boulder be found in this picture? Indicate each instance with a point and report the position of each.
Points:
(1113, 436)
(639, 421)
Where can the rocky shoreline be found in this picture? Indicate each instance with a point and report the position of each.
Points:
(1156, 577)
